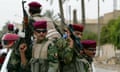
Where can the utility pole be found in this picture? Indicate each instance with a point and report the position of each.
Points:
(115, 17)
(98, 43)
(70, 20)
(114, 10)
(83, 11)
(61, 9)
(75, 21)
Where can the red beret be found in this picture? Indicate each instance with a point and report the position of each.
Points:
(40, 24)
(34, 4)
(78, 27)
(10, 26)
(10, 36)
(88, 44)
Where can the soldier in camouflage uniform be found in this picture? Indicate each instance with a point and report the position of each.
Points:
(89, 50)
(66, 53)
(9, 41)
(44, 53)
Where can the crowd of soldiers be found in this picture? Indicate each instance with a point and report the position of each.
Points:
(45, 50)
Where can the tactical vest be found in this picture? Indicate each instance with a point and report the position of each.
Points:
(87, 65)
(39, 62)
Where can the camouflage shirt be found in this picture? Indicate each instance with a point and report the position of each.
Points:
(65, 54)
(83, 64)
(43, 64)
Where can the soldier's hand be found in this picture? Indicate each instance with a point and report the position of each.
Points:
(69, 39)
(71, 42)
(23, 48)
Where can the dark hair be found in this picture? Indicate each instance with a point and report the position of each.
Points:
(33, 10)
(1, 45)
(16, 31)
(11, 29)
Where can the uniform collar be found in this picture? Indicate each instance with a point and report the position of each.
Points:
(89, 59)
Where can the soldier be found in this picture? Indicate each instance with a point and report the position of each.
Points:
(89, 50)
(10, 28)
(8, 42)
(34, 11)
(66, 48)
(44, 53)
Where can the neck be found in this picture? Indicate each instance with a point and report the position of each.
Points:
(40, 41)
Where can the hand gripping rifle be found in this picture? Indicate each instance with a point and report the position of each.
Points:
(78, 45)
(18, 42)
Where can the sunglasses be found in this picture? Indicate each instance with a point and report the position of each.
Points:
(91, 49)
(41, 30)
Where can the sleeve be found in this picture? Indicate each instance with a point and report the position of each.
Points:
(26, 67)
(65, 53)
(53, 58)
(52, 53)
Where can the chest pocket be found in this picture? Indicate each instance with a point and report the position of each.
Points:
(40, 51)
(39, 62)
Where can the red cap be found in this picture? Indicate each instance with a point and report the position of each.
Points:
(78, 27)
(88, 44)
(40, 24)
(34, 4)
(10, 26)
(10, 36)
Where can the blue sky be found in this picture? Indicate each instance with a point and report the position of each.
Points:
(11, 10)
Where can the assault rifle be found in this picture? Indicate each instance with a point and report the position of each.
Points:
(78, 45)
(5, 67)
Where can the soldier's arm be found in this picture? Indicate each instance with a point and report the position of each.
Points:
(24, 62)
(23, 48)
(52, 53)
(65, 50)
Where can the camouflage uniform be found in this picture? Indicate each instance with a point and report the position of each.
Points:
(83, 64)
(14, 61)
(44, 53)
(43, 58)
(65, 55)
(86, 59)
(69, 60)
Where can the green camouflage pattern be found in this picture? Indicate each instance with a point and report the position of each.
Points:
(65, 53)
(44, 65)
(69, 61)
(83, 64)
(53, 58)
(14, 62)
